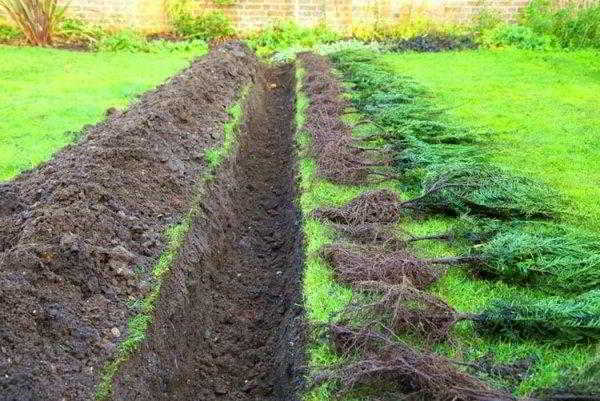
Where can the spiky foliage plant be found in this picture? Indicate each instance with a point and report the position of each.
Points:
(483, 189)
(39, 19)
(411, 154)
(550, 256)
(553, 319)
(396, 104)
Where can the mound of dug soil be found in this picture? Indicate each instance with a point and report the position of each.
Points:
(228, 320)
(78, 234)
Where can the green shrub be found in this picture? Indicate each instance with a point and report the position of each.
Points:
(132, 41)
(519, 36)
(538, 16)
(289, 34)
(76, 30)
(405, 28)
(8, 33)
(578, 28)
(486, 20)
(205, 26)
(573, 26)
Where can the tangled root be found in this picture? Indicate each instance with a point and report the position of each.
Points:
(332, 145)
(411, 372)
(403, 308)
(352, 266)
(381, 235)
(380, 206)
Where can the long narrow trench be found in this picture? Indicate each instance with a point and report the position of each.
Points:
(228, 321)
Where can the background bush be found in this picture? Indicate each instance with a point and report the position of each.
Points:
(288, 34)
(132, 41)
(207, 26)
(519, 36)
(204, 25)
(8, 33)
(573, 26)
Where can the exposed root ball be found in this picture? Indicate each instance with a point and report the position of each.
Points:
(381, 206)
(353, 266)
(337, 160)
(371, 233)
(409, 371)
(403, 308)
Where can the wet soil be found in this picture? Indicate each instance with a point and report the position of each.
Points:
(79, 234)
(229, 319)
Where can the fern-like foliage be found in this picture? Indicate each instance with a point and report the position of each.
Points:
(554, 319)
(484, 189)
(550, 256)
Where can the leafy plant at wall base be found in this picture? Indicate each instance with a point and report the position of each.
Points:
(519, 36)
(76, 30)
(572, 26)
(38, 19)
(485, 20)
(8, 32)
(205, 25)
(286, 34)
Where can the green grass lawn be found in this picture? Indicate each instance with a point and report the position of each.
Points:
(543, 109)
(47, 94)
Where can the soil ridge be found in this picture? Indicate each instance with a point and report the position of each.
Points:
(229, 320)
(79, 234)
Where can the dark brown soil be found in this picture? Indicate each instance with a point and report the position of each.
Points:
(78, 235)
(228, 321)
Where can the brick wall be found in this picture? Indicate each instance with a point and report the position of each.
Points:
(149, 15)
(139, 14)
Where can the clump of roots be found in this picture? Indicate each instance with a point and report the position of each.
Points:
(385, 235)
(338, 159)
(380, 361)
(379, 206)
(402, 308)
(356, 265)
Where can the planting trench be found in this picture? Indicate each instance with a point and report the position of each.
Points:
(78, 237)
(228, 323)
